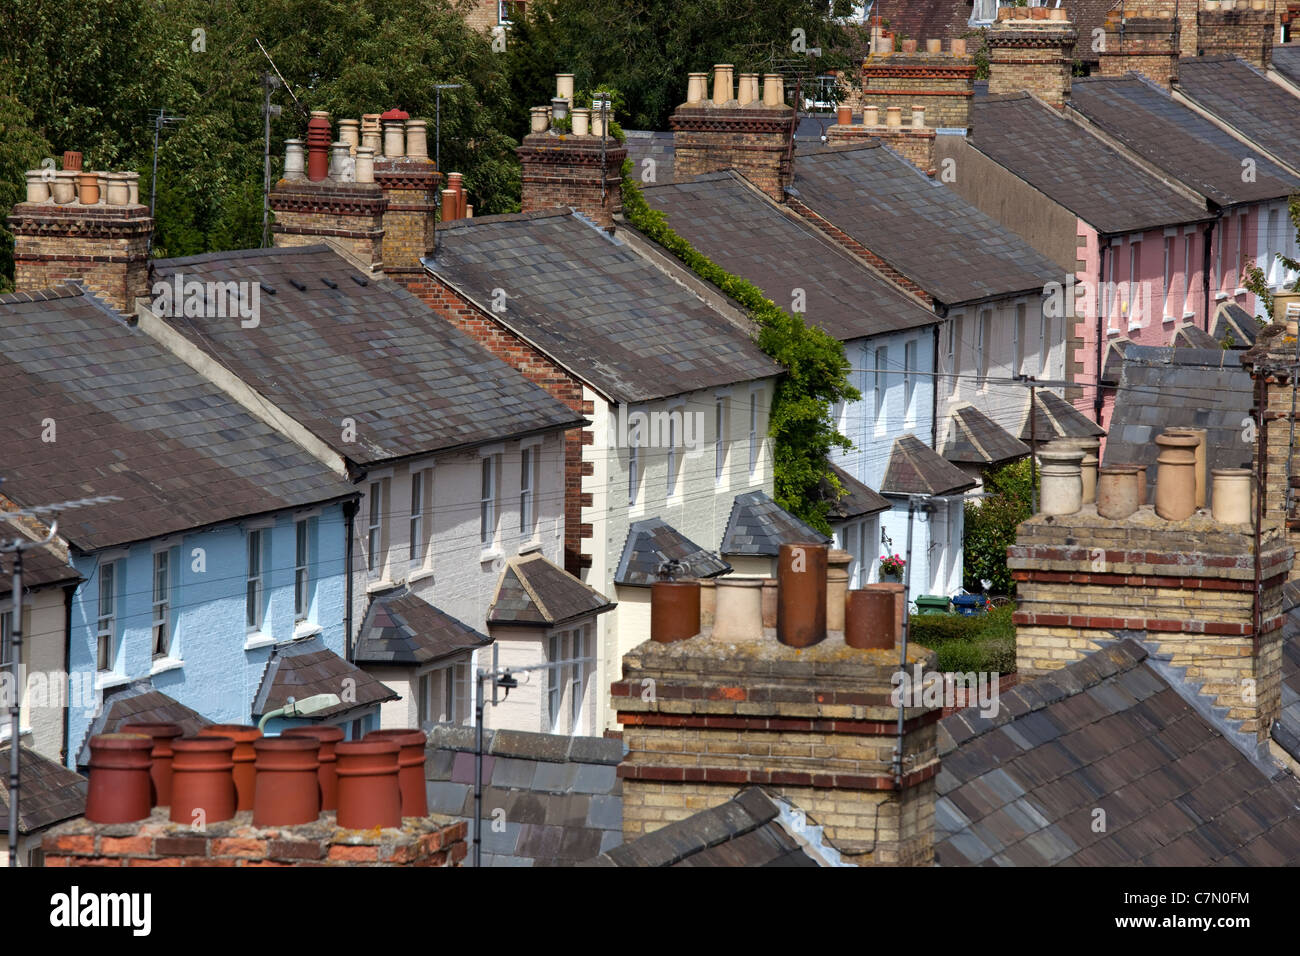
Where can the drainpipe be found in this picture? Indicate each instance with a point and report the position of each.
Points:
(934, 393)
(349, 513)
(1101, 322)
(1205, 268)
(68, 593)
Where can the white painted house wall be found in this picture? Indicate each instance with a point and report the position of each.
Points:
(42, 709)
(698, 506)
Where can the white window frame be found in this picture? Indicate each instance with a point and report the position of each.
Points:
(449, 684)
(528, 492)
(1018, 334)
(106, 622)
(910, 353)
(1135, 316)
(633, 473)
(6, 629)
(255, 580)
(571, 666)
(719, 439)
(375, 528)
(415, 544)
(755, 442)
(983, 319)
(954, 360)
(301, 570)
(488, 489)
(1045, 338)
(880, 388)
(161, 633)
(1187, 271)
(1169, 278)
(672, 459)
(502, 7)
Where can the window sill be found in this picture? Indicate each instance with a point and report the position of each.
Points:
(419, 575)
(381, 585)
(1241, 292)
(103, 681)
(256, 640)
(1134, 326)
(488, 555)
(1188, 315)
(162, 665)
(306, 629)
(1169, 318)
(1220, 296)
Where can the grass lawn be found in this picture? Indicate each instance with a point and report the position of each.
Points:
(985, 642)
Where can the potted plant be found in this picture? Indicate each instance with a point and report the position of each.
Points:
(891, 567)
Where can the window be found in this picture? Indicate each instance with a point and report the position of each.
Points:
(1169, 276)
(633, 471)
(487, 512)
(1136, 313)
(879, 387)
(416, 520)
(850, 542)
(527, 509)
(720, 439)
(984, 11)
(909, 382)
(982, 347)
(375, 529)
(1218, 253)
(256, 581)
(162, 604)
(1274, 245)
(510, 11)
(673, 417)
(570, 656)
(1187, 273)
(754, 398)
(106, 628)
(301, 569)
(1044, 336)
(6, 635)
(1108, 290)
(443, 696)
(1018, 339)
(952, 350)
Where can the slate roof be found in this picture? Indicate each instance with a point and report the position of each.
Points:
(916, 469)
(139, 703)
(1057, 418)
(1286, 729)
(595, 305)
(810, 129)
(1073, 167)
(855, 501)
(749, 235)
(1163, 388)
(1245, 99)
(1174, 138)
(653, 541)
(42, 567)
(975, 439)
(533, 592)
(645, 144)
(1286, 60)
(921, 228)
(558, 799)
(1107, 732)
(400, 628)
(306, 667)
(1188, 336)
(747, 830)
(50, 792)
(132, 421)
(347, 347)
(759, 526)
(1232, 318)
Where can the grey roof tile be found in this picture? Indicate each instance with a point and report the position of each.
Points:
(650, 543)
(401, 628)
(532, 591)
(916, 469)
(1244, 98)
(759, 526)
(305, 667)
(976, 439)
(50, 792)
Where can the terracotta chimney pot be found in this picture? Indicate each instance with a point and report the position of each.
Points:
(708, 601)
(160, 769)
(365, 165)
(1201, 475)
(909, 46)
(696, 85)
(203, 785)
(837, 585)
(773, 90)
(801, 598)
(288, 781)
(1117, 492)
(869, 619)
(72, 161)
(244, 773)
(350, 133)
(844, 116)
(770, 592)
(1176, 479)
(318, 144)
(88, 188)
(739, 614)
(410, 767)
(328, 735)
(871, 116)
(1232, 495)
(723, 87)
(674, 610)
(1060, 479)
(957, 46)
(581, 121)
(119, 788)
(934, 46)
(369, 792)
(898, 593)
(894, 116)
(564, 86)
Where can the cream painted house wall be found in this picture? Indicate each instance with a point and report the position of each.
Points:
(697, 505)
(43, 708)
(454, 570)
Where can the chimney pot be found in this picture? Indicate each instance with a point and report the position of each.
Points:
(369, 792)
(773, 90)
(417, 140)
(1088, 469)
(38, 190)
(339, 163)
(957, 46)
(934, 46)
(365, 168)
(72, 161)
(318, 142)
(870, 116)
(1176, 478)
(844, 115)
(63, 188)
(1117, 491)
(738, 617)
(897, 593)
(801, 594)
(394, 138)
(350, 133)
(119, 789)
(288, 781)
(837, 584)
(448, 205)
(869, 619)
(674, 611)
(540, 119)
(695, 88)
(119, 192)
(1232, 495)
(1060, 479)
(564, 86)
(748, 93)
(918, 116)
(203, 779)
(581, 121)
(294, 160)
(723, 88)
(1201, 473)
(894, 116)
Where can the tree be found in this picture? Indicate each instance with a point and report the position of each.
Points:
(990, 526)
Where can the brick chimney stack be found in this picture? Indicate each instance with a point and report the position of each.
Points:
(1247, 31)
(1178, 578)
(86, 225)
(410, 182)
(1032, 48)
(736, 129)
(807, 711)
(1146, 42)
(941, 83)
(580, 167)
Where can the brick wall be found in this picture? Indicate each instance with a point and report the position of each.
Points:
(346, 216)
(1245, 33)
(816, 724)
(1031, 54)
(106, 247)
(1269, 363)
(914, 145)
(411, 189)
(942, 83)
(752, 140)
(540, 370)
(1187, 585)
(567, 170)
(421, 841)
(1147, 45)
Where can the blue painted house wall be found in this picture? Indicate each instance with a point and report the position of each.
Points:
(873, 426)
(215, 675)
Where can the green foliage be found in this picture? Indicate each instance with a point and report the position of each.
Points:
(983, 642)
(1253, 277)
(990, 526)
(21, 148)
(815, 378)
(645, 48)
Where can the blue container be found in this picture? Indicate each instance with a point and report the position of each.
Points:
(969, 604)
